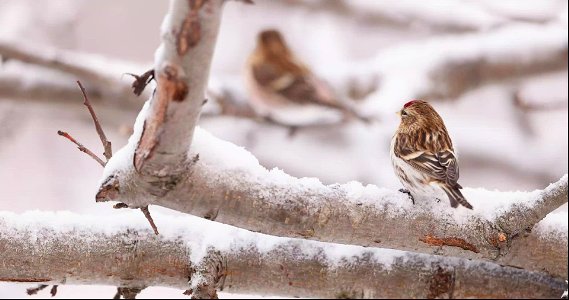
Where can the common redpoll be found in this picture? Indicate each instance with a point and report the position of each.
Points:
(283, 88)
(423, 156)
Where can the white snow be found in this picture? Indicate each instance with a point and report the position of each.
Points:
(199, 234)
(122, 160)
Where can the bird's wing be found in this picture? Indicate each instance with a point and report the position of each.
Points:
(300, 89)
(441, 165)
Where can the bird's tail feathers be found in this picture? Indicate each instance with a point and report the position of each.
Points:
(455, 196)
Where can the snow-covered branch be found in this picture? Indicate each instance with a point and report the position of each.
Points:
(65, 248)
(228, 185)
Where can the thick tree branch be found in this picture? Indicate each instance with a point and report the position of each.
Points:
(181, 71)
(123, 252)
(227, 182)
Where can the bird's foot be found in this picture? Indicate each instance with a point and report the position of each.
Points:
(406, 191)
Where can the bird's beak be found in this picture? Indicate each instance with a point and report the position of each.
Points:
(398, 113)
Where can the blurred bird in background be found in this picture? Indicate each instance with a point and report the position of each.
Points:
(284, 89)
(423, 156)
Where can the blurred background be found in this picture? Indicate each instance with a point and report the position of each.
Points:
(495, 70)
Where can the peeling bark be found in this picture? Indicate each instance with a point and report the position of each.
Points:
(181, 70)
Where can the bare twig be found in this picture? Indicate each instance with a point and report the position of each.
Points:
(127, 293)
(53, 290)
(33, 291)
(106, 143)
(108, 152)
(146, 213)
(81, 147)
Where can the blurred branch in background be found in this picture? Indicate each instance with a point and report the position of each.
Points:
(450, 65)
(99, 73)
(454, 17)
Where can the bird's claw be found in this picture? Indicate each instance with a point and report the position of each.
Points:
(406, 191)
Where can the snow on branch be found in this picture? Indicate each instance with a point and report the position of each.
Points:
(193, 254)
(228, 185)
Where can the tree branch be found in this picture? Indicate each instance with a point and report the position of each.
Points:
(81, 147)
(106, 144)
(181, 71)
(65, 61)
(246, 195)
(208, 253)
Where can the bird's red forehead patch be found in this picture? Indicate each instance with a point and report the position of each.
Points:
(410, 103)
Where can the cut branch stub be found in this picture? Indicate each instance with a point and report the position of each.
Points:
(172, 86)
(109, 190)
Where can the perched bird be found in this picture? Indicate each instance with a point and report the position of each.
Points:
(283, 88)
(423, 156)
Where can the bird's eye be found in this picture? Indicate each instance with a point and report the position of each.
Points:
(403, 113)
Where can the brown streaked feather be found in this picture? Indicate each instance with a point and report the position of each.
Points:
(300, 89)
(275, 68)
(441, 165)
(423, 142)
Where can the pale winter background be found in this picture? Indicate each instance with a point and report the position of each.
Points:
(510, 129)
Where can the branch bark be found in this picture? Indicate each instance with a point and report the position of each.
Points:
(55, 248)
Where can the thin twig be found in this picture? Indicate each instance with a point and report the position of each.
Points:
(106, 143)
(33, 291)
(53, 290)
(127, 293)
(146, 213)
(81, 147)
